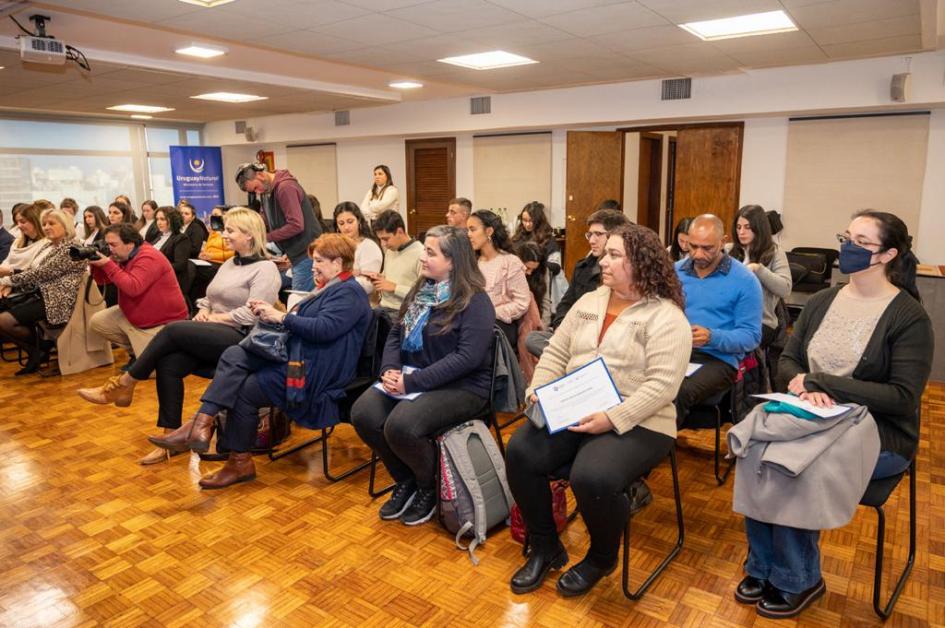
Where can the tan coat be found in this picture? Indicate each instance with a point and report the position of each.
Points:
(646, 350)
(80, 348)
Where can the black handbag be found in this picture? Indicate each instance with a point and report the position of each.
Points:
(19, 298)
(268, 341)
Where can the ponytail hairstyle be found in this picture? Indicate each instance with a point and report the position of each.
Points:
(541, 230)
(500, 235)
(893, 234)
(761, 249)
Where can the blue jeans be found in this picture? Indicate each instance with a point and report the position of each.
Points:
(788, 558)
(302, 276)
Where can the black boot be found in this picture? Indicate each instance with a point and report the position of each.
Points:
(532, 574)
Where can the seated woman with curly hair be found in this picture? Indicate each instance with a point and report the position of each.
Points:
(635, 321)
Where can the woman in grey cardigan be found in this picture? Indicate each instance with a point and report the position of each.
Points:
(754, 248)
(868, 343)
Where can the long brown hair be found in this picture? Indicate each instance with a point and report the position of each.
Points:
(465, 277)
(652, 268)
(761, 249)
(541, 231)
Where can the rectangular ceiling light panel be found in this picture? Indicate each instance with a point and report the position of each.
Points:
(206, 3)
(488, 60)
(229, 97)
(201, 51)
(140, 108)
(741, 26)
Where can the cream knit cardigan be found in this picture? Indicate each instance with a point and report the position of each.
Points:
(646, 350)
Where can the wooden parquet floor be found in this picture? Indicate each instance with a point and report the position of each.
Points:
(88, 537)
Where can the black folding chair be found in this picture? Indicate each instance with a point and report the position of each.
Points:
(714, 412)
(876, 496)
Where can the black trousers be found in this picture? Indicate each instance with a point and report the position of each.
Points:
(178, 350)
(714, 377)
(602, 466)
(236, 388)
(400, 432)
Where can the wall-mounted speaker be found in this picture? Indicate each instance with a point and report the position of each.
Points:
(900, 87)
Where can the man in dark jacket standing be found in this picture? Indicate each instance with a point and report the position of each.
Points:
(586, 275)
(290, 218)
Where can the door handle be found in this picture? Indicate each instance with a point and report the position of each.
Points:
(413, 211)
(571, 218)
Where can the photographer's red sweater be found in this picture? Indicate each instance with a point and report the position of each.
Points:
(148, 292)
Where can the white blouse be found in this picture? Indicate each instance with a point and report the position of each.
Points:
(390, 199)
(368, 257)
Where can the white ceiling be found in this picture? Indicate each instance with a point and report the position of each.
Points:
(576, 41)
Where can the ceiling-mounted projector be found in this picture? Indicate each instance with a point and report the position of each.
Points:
(42, 50)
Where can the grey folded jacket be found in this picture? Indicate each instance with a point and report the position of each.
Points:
(801, 473)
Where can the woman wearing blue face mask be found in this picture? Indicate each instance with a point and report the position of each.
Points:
(869, 343)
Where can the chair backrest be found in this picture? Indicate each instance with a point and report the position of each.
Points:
(369, 362)
(830, 257)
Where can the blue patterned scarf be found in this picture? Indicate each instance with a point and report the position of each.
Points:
(428, 296)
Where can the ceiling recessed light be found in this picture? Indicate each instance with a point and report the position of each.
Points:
(741, 26)
(206, 3)
(140, 108)
(405, 84)
(202, 50)
(488, 60)
(229, 97)
(141, 116)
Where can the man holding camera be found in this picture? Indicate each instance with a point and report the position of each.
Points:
(290, 218)
(149, 296)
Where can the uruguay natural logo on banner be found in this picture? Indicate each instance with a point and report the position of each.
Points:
(197, 173)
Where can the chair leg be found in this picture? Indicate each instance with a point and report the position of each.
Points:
(374, 493)
(348, 472)
(494, 419)
(276, 455)
(720, 478)
(885, 611)
(680, 538)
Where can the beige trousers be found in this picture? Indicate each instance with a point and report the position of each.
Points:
(112, 325)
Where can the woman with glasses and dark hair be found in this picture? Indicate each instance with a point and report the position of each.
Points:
(368, 258)
(869, 343)
(752, 246)
(444, 336)
(635, 322)
(382, 196)
(506, 281)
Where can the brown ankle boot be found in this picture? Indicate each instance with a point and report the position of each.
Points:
(239, 467)
(199, 439)
(110, 392)
(176, 440)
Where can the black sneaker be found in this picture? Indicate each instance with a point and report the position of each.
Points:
(400, 500)
(422, 508)
(640, 496)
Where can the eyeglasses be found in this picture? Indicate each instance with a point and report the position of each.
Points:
(843, 238)
(594, 234)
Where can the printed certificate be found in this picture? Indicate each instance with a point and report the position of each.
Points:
(583, 391)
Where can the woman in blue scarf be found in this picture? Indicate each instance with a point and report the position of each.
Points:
(440, 349)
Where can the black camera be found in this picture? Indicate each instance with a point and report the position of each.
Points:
(216, 223)
(91, 251)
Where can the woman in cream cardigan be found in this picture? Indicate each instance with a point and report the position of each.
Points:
(635, 321)
(382, 196)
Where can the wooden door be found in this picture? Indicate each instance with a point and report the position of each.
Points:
(708, 171)
(594, 174)
(650, 180)
(431, 182)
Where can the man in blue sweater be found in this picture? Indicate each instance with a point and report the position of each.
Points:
(724, 308)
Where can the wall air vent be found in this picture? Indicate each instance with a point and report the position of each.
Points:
(677, 89)
(482, 104)
(342, 118)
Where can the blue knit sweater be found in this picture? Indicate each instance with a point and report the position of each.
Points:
(728, 303)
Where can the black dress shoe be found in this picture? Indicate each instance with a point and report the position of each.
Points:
(776, 604)
(750, 590)
(530, 576)
(581, 578)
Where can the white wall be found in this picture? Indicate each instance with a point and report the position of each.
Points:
(764, 99)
